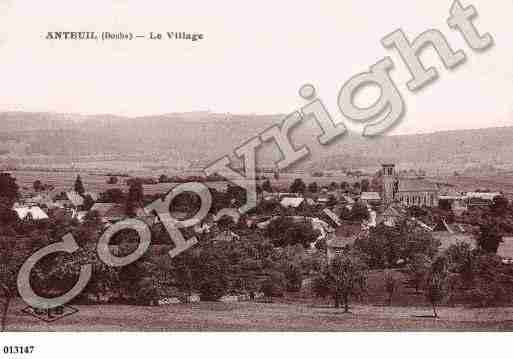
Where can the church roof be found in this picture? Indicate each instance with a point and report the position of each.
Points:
(416, 185)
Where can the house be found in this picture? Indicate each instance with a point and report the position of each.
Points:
(79, 215)
(505, 250)
(93, 195)
(371, 221)
(34, 213)
(481, 198)
(63, 203)
(226, 236)
(110, 212)
(323, 228)
(332, 216)
(391, 216)
(292, 202)
(339, 240)
(459, 207)
(371, 198)
(447, 239)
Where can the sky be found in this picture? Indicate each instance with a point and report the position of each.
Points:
(254, 58)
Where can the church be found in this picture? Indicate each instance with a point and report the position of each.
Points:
(408, 191)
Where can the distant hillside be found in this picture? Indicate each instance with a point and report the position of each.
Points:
(201, 137)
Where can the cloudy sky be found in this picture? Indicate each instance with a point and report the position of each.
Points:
(254, 58)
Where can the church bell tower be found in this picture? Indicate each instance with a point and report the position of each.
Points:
(389, 182)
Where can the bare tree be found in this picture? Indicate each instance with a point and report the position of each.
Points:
(436, 290)
(390, 286)
(346, 277)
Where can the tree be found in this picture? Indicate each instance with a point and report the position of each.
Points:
(332, 201)
(273, 285)
(417, 270)
(365, 185)
(112, 180)
(293, 277)
(226, 223)
(8, 216)
(12, 256)
(333, 186)
(211, 272)
(390, 285)
(88, 203)
(377, 183)
(286, 232)
(298, 186)
(359, 212)
(436, 289)
(112, 195)
(38, 186)
(79, 186)
(499, 205)
(183, 274)
(8, 187)
(135, 197)
(489, 237)
(313, 187)
(266, 186)
(345, 277)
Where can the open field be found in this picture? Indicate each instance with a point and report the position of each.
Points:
(207, 316)
(94, 182)
(97, 181)
(294, 312)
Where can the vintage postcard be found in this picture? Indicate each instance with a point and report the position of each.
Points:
(271, 166)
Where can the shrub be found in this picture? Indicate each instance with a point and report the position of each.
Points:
(273, 285)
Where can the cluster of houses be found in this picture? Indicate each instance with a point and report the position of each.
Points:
(387, 206)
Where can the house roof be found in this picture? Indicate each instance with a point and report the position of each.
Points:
(391, 211)
(75, 198)
(94, 196)
(332, 216)
(226, 236)
(370, 196)
(487, 196)
(292, 201)
(35, 212)
(109, 210)
(416, 185)
(61, 203)
(348, 199)
(447, 239)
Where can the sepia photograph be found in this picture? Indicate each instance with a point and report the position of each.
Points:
(239, 167)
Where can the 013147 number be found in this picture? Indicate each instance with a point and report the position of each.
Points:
(18, 349)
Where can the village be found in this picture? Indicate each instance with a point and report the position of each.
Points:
(390, 232)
